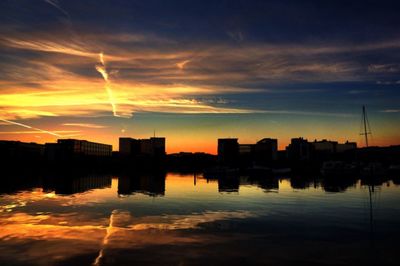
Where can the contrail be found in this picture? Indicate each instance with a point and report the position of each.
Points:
(101, 68)
(55, 4)
(34, 128)
(109, 231)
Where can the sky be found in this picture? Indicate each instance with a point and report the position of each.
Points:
(196, 71)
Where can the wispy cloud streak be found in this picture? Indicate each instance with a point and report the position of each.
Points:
(101, 68)
(30, 127)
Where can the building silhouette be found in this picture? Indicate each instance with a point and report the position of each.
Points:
(14, 154)
(325, 146)
(228, 151)
(74, 148)
(154, 146)
(18, 149)
(266, 151)
(347, 146)
(231, 152)
(129, 146)
(299, 149)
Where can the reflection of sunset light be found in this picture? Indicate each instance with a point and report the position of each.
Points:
(50, 195)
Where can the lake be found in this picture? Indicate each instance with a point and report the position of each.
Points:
(185, 219)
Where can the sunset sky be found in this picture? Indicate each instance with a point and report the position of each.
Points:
(195, 71)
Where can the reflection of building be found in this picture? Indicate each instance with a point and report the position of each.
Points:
(131, 147)
(228, 150)
(228, 184)
(67, 148)
(153, 185)
(268, 184)
(73, 184)
(20, 150)
(299, 149)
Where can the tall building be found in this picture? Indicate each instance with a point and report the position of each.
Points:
(299, 149)
(266, 150)
(228, 150)
(153, 146)
(132, 147)
(129, 146)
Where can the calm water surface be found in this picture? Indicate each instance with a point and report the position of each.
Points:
(176, 219)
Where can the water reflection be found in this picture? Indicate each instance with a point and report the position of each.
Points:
(103, 220)
(149, 184)
(68, 185)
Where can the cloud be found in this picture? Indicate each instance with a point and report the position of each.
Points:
(387, 82)
(236, 35)
(356, 91)
(56, 4)
(147, 73)
(85, 125)
(391, 111)
(38, 130)
(60, 133)
(181, 65)
(49, 46)
(384, 68)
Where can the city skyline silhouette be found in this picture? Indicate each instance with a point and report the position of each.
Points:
(101, 71)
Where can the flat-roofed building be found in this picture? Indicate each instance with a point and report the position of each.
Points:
(246, 149)
(67, 148)
(228, 150)
(266, 150)
(326, 146)
(154, 146)
(299, 149)
(342, 147)
(129, 146)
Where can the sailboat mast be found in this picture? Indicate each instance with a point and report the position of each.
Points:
(365, 126)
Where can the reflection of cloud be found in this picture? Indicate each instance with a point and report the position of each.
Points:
(45, 226)
(104, 243)
(193, 221)
(86, 232)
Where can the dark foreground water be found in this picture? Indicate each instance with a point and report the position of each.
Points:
(178, 219)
